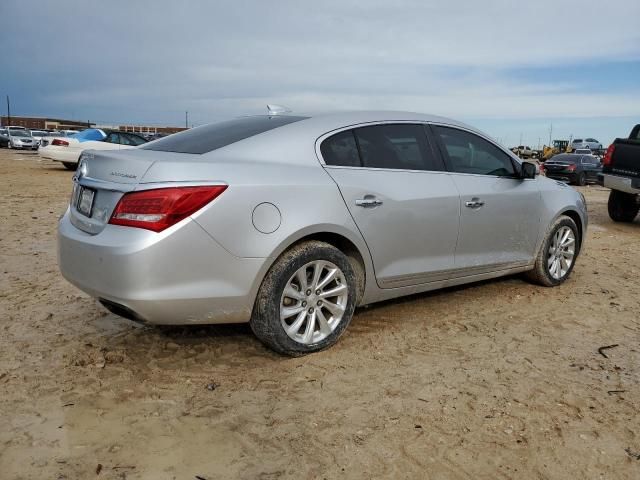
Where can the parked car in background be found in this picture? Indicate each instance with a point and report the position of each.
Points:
(573, 168)
(21, 139)
(289, 222)
(4, 137)
(621, 173)
(590, 143)
(46, 139)
(67, 150)
(38, 135)
(523, 151)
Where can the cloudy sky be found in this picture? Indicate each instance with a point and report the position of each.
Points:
(511, 68)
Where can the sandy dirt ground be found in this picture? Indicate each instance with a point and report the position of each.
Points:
(501, 379)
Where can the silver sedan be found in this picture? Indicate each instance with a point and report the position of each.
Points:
(290, 222)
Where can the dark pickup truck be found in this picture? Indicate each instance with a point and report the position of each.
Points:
(621, 173)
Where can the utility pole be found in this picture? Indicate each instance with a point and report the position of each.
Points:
(8, 111)
(520, 139)
(550, 133)
(186, 119)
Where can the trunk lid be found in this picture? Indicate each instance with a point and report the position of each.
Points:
(106, 175)
(102, 178)
(556, 166)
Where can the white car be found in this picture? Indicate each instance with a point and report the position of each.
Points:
(590, 143)
(68, 149)
(21, 139)
(38, 135)
(582, 151)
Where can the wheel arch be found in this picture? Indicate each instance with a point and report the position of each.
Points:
(353, 247)
(577, 218)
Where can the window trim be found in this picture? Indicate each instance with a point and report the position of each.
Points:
(433, 148)
(515, 161)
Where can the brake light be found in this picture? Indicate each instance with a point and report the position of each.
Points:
(572, 167)
(60, 143)
(160, 208)
(608, 156)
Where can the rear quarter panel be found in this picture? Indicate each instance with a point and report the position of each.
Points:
(307, 199)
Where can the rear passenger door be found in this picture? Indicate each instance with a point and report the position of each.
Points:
(405, 205)
(500, 212)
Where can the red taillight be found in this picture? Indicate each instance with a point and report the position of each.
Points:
(159, 209)
(572, 167)
(608, 156)
(60, 143)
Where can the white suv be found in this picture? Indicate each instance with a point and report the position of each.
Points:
(590, 143)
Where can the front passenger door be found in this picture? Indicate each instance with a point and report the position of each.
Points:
(499, 212)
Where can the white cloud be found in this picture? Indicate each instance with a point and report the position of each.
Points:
(148, 60)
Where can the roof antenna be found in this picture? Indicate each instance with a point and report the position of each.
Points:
(277, 109)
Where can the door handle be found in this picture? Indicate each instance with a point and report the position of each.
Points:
(369, 201)
(474, 203)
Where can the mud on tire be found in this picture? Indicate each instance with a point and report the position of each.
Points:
(265, 319)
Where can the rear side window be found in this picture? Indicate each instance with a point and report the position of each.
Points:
(468, 153)
(217, 135)
(113, 137)
(341, 150)
(134, 140)
(399, 146)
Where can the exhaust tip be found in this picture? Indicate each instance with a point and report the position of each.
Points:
(121, 310)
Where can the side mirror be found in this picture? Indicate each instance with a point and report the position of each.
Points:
(529, 170)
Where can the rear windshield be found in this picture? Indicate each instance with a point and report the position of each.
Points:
(217, 135)
(565, 158)
(89, 134)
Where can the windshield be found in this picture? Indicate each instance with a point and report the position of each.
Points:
(217, 135)
(19, 133)
(577, 140)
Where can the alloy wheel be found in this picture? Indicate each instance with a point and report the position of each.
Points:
(313, 302)
(562, 251)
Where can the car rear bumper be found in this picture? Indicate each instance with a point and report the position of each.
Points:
(59, 154)
(616, 182)
(563, 177)
(179, 276)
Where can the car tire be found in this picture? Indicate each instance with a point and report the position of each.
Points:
(581, 180)
(274, 310)
(622, 206)
(552, 250)
(70, 166)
